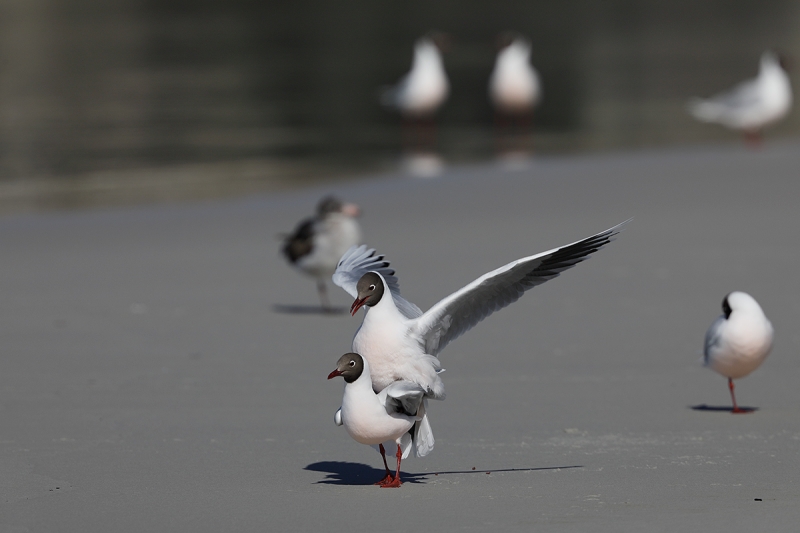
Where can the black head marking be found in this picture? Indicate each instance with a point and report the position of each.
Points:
(370, 288)
(726, 307)
(351, 365)
(328, 205)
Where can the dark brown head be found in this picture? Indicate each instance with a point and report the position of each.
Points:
(370, 291)
(505, 39)
(349, 366)
(442, 40)
(329, 204)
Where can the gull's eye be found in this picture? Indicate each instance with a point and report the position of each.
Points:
(372, 287)
(352, 363)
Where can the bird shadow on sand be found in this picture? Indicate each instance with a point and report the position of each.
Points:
(722, 408)
(345, 473)
(308, 310)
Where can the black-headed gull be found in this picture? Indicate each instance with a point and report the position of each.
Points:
(420, 93)
(387, 417)
(751, 105)
(738, 341)
(514, 90)
(318, 242)
(401, 342)
(425, 87)
(514, 86)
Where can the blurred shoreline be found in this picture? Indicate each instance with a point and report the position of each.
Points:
(180, 183)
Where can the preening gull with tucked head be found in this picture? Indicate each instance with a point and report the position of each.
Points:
(738, 341)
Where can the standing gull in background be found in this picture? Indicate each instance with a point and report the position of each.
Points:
(375, 419)
(514, 86)
(401, 342)
(318, 242)
(420, 93)
(751, 105)
(738, 341)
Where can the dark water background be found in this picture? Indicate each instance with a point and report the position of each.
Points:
(103, 85)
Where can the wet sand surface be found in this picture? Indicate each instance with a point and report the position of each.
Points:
(163, 369)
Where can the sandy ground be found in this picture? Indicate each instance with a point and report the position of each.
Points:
(153, 380)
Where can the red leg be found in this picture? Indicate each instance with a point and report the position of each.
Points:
(753, 138)
(388, 478)
(396, 481)
(735, 407)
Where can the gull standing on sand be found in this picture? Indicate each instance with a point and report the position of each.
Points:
(318, 242)
(751, 105)
(738, 341)
(421, 92)
(514, 86)
(401, 343)
(375, 419)
(425, 88)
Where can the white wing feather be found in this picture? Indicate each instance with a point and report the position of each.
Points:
(459, 312)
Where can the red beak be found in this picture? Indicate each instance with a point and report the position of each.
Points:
(357, 304)
(335, 373)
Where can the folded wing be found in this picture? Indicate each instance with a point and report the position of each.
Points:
(712, 338)
(463, 309)
(403, 397)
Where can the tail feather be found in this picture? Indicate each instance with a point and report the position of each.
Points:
(423, 435)
(705, 110)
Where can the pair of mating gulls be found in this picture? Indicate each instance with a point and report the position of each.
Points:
(395, 368)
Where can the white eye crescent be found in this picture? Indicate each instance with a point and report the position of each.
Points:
(372, 287)
(352, 363)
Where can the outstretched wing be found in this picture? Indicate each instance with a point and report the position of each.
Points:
(459, 312)
(359, 260)
(403, 397)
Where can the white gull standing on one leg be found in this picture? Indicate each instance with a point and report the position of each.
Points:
(738, 341)
(402, 343)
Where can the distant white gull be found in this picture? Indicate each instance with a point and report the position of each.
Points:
(738, 341)
(751, 105)
(426, 87)
(401, 343)
(318, 242)
(417, 96)
(386, 417)
(514, 86)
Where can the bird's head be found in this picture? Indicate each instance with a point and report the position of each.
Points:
(370, 291)
(349, 366)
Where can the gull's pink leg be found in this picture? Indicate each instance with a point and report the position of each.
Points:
(396, 481)
(735, 407)
(388, 477)
(753, 138)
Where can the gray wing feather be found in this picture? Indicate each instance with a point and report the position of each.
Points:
(462, 310)
(404, 397)
(712, 338)
(359, 260)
